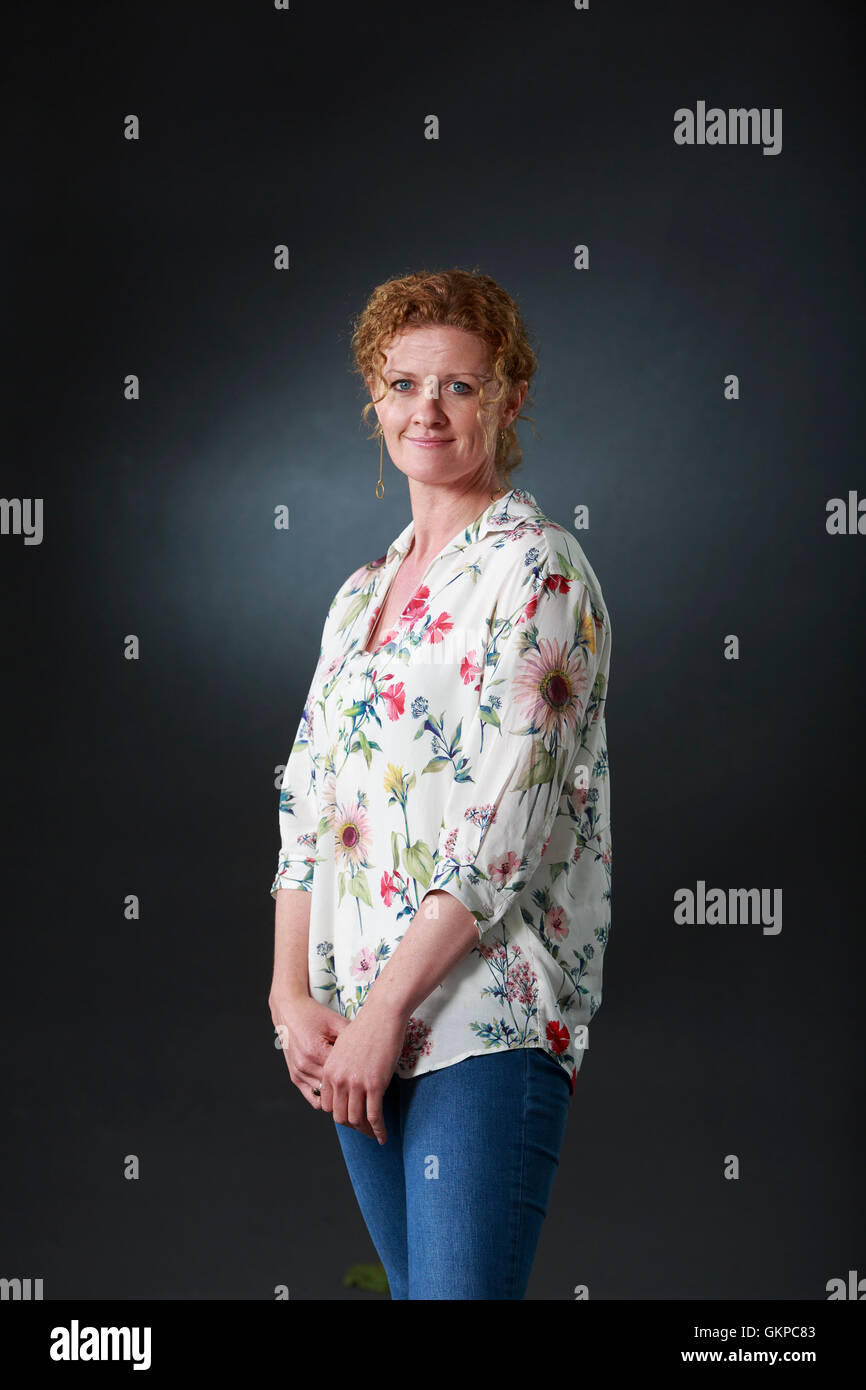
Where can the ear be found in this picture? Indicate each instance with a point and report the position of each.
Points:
(375, 386)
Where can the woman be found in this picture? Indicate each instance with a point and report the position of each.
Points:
(443, 882)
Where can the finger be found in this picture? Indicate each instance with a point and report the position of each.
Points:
(356, 1118)
(326, 1093)
(306, 1074)
(311, 1093)
(374, 1117)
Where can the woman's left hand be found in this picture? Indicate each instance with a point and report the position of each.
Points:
(360, 1067)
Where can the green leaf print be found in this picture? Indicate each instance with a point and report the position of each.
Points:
(354, 610)
(418, 862)
(567, 568)
(541, 767)
(365, 747)
(359, 888)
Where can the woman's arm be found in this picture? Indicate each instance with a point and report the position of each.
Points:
(365, 1055)
(291, 980)
(440, 934)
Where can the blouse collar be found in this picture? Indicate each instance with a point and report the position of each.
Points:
(513, 509)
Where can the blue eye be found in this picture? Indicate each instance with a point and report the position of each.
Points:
(404, 381)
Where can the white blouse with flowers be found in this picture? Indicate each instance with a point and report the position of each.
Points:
(468, 753)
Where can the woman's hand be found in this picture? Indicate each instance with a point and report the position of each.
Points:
(360, 1067)
(308, 1031)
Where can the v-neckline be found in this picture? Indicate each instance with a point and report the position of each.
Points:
(362, 650)
(372, 652)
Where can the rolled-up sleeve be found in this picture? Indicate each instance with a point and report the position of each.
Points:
(540, 687)
(298, 813)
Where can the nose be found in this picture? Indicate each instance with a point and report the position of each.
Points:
(428, 413)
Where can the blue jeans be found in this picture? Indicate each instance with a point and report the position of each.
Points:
(455, 1199)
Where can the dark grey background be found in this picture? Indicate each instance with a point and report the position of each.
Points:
(707, 517)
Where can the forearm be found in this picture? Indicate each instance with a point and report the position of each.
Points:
(291, 944)
(431, 946)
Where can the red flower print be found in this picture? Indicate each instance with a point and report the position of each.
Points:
(572, 1081)
(557, 583)
(529, 611)
(388, 887)
(469, 668)
(417, 606)
(436, 631)
(416, 1044)
(558, 1034)
(395, 700)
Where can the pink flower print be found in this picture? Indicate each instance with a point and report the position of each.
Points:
(416, 1044)
(417, 606)
(388, 888)
(607, 855)
(544, 846)
(521, 984)
(549, 686)
(554, 923)
(363, 967)
(494, 951)
(395, 700)
(351, 834)
(438, 629)
(469, 668)
(500, 873)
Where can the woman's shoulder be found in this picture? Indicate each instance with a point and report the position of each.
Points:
(528, 530)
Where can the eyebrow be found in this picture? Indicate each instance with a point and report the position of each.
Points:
(447, 376)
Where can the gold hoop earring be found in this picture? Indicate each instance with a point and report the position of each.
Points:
(380, 484)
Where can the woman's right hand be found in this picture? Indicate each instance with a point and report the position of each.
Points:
(308, 1031)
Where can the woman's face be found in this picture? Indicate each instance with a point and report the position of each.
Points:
(433, 377)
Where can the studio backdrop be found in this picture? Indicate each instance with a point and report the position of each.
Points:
(198, 202)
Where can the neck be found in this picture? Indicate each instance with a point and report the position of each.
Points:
(438, 517)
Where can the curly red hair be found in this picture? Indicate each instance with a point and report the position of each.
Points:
(456, 299)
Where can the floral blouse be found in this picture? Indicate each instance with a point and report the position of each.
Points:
(467, 753)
